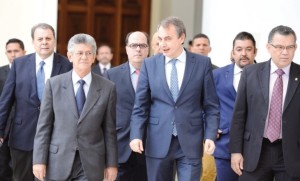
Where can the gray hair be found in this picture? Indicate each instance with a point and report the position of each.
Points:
(82, 39)
(178, 23)
(282, 30)
(42, 26)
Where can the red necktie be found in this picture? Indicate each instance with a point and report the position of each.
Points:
(275, 113)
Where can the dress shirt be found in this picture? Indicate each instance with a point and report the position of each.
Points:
(273, 77)
(180, 66)
(237, 72)
(107, 66)
(134, 77)
(47, 66)
(87, 79)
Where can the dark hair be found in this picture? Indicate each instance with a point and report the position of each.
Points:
(178, 23)
(201, 35)
(42, 26)
(244, 36)
(105, 45)
(15, 40)
(128, 35)
(282, 30)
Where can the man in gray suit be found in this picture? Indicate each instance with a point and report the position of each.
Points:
(76, 131)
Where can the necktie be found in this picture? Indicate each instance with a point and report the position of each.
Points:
(40, 79)
(137, 71)
(174, 88)
(104, 70)
(80, 96)
(275, 112)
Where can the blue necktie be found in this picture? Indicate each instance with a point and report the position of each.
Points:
(40, 79)
(80, 97)
(174, 88)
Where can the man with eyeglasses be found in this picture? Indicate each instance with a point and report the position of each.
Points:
(76, 132)
(24, 89)
(132, 166)
(264, 135)
(174, 91)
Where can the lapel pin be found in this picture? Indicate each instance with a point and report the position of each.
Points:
(296, 79)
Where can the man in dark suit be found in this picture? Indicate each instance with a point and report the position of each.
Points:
(132, 166)
(76, 132)
(174, 90)
(23, 90)
(14, 49)
(264, 135)
(226, 80)
(104, 57)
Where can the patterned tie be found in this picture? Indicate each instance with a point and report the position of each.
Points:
(40, 79)
(275, 113)
(80, 97)
(174, 88)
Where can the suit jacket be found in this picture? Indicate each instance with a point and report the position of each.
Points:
(120, 75)
(250, 113)
(93, 133)
(21, 89)
(96, 69)
(224, 86)
(153, 100)
(4, 70)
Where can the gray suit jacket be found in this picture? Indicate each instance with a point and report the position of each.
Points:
(60, 131)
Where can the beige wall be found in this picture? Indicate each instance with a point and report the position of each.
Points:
(18, 16)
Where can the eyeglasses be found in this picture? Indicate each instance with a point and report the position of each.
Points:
(135, 45)
(87, 54)
(281, 47)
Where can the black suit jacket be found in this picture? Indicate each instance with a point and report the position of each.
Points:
(20, 89)
(250, 113)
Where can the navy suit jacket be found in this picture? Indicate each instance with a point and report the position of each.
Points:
(20, 88)
(96, 69)
(120, 75)
(153, 101)
(250, 113)
(226, 93)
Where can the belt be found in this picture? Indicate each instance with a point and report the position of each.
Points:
(266, 140)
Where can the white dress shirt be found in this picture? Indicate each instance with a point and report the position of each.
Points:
(237, 72)
(87, 79)
(180, 66)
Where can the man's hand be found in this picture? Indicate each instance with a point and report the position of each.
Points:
(1, 141)
(209, 146)
(237, 162)
(39, 171)
(136, 145)
(110, 173)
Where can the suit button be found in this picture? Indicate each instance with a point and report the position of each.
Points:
(39, 108)
(175, 107)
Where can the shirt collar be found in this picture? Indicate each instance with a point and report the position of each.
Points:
(87, 79)
(105, 66)
(48, 60)
(237, 69)
(132, 69)
(285, 69)
(181, 57)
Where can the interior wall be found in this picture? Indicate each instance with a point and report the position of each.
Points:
(17, 18)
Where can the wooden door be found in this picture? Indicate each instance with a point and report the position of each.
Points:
(108, 21)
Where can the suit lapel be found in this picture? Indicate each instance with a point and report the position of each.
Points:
(189, 67)
(264, 77)
(293, 84)
(126, 78)
(69, 92)
(229, 79)
(32, 76)
(161, 70)
(92, 97)
(56, 65)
